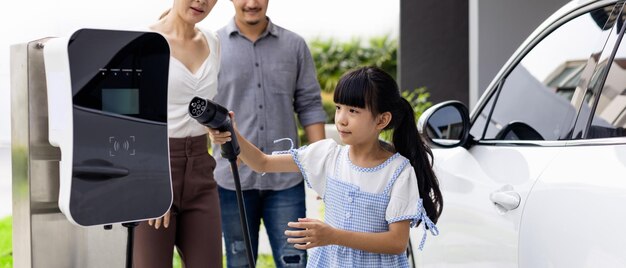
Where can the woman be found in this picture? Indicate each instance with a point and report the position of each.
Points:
(193, 222)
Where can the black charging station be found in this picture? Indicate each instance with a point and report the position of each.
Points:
(107, 108)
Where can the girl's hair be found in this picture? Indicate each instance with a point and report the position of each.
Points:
(374, 89)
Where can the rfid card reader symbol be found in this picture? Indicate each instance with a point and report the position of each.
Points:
(118, 146)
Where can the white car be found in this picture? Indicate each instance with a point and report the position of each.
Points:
(535, 175)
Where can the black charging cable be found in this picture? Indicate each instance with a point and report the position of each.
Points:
(129, 242)
(212, 115)
(242, 213)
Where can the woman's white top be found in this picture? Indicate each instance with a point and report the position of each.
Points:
(318, 161)
(183, 85)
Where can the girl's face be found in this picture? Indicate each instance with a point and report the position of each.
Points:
(193, 11)
(358, 125)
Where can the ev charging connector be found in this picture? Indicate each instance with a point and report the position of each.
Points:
(213, 115)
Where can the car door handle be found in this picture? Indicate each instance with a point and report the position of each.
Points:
(505, 200)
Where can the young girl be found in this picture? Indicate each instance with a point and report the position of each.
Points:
(373, 192)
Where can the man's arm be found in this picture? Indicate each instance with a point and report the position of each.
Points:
(307, 97)
(315, 132)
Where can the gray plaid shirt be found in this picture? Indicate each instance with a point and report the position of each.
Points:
(266, 83)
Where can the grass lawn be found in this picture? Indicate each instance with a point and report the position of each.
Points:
(6, 249)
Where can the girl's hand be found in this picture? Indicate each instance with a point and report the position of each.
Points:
(315, 233)
(157, 223)
(219, 137)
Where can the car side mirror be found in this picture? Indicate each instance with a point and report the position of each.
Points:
(446, 124)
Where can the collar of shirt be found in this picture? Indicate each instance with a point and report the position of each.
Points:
(232, 28)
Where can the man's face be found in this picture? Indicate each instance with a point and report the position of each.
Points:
(250, 12)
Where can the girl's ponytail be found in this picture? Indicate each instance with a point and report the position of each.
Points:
(409, 144)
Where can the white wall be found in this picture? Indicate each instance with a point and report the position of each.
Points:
(24, 21)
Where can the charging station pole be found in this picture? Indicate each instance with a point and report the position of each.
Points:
(42, 236)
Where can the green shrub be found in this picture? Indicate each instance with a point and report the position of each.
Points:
(329, 108)
(333, 58)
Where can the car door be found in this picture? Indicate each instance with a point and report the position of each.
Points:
(521, 126)
(575, 215)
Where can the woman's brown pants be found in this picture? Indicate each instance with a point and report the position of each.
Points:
(195, 226)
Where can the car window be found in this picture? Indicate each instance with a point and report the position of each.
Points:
(478, 127)
(610, 113)
(536, 99)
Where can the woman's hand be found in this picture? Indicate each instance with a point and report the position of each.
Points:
(315, 233)
(219, 137)
(157, 223)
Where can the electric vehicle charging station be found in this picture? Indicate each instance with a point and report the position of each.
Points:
(89, 144)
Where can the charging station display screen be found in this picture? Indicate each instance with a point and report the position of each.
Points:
(120, 100)
(120, 74)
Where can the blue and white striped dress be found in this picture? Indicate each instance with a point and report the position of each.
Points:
(360, 200)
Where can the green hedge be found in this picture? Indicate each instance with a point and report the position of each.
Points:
(333, 58)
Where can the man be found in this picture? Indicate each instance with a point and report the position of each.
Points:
(267, 74)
